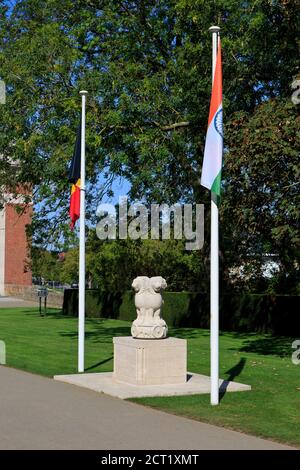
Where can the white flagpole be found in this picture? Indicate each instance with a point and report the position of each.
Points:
(81, 296)
(214, 268)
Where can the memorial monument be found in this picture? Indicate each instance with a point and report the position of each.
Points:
(148, 363)
(149, 357)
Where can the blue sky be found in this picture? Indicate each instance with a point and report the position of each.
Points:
(120, 187)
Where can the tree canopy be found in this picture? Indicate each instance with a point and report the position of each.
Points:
(147, 67)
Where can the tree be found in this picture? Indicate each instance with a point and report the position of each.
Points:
(261, 202)
(147, 67)
(45, 264)
(112, 265)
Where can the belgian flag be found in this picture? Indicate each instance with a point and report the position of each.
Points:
(74, 179)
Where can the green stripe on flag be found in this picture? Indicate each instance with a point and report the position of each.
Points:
(216, 186)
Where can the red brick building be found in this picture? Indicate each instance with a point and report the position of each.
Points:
(15, 274)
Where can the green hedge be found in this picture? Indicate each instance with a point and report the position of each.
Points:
(238, 312)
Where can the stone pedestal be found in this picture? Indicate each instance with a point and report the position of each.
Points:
(150, 362)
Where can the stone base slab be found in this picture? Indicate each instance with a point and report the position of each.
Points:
(196, 384)
(150, 361)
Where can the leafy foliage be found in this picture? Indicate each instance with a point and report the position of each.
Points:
(146, 65)
(112, 265)
(45, 264)
(261, 200)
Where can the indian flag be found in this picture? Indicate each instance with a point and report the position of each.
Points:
(213, 152)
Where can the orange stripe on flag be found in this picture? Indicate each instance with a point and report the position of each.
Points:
(216, 97)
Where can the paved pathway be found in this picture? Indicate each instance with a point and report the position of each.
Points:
(39, 413)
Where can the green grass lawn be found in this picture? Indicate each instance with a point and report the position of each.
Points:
(48, 346)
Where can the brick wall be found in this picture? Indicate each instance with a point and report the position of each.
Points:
(16, 251)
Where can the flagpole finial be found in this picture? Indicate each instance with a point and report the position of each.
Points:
(214, 29)
(83, 92)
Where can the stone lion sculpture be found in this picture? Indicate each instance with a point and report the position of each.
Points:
(148, 302)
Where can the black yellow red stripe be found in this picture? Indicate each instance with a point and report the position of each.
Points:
(74, 179)
(75, 203)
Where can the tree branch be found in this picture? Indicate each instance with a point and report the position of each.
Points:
(173, 126)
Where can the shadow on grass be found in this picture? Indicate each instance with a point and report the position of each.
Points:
(100, 334)
(270, 345)
(252, 342)
(234, 372)
(259, 343)
(188, 333)
(51, 313)
(99, 364)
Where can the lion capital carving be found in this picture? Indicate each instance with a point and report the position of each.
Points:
(148, 302)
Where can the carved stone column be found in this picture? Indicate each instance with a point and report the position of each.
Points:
(148, 302)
